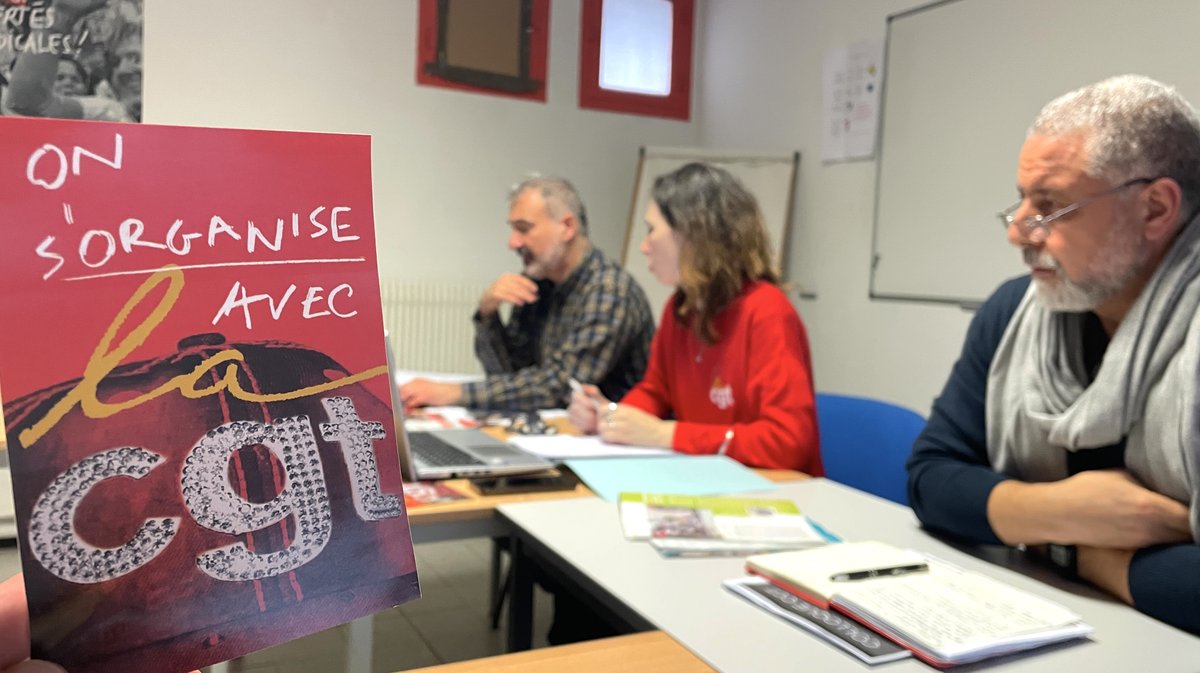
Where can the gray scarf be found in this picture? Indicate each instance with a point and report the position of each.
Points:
(1039, 405)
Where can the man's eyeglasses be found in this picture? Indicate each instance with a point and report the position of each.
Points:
(1036, 228)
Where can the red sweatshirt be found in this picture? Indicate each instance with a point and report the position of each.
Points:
(756, 380)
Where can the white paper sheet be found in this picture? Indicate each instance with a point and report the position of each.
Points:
(403, 376)
(567, 447)
(852, 80)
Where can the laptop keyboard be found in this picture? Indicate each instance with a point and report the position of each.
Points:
(435, 451)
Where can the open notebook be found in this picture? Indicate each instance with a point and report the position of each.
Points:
(946, 615)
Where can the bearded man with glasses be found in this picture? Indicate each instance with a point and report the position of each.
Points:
(1070, 425)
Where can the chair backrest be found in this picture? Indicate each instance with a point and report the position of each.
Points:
(865, 442)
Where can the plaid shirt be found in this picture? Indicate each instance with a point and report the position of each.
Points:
(595, 327)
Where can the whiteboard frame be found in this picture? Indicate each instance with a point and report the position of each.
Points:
(968, 303)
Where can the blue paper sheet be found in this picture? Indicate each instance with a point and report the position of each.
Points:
(676, 475)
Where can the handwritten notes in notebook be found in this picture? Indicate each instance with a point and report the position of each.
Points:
(944, 614)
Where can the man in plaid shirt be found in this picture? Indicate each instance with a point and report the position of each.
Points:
(575, 314)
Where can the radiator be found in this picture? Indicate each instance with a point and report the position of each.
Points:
(430, 325)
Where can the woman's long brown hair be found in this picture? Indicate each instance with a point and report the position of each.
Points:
(724, 241)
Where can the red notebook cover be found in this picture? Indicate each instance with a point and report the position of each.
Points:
(195, 391)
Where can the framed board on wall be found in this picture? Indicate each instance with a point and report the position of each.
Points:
(771, 178)
(965, 78)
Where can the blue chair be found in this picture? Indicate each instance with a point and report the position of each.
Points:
(865, 442)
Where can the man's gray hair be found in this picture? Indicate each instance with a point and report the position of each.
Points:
(1133, 127)
(558, 193)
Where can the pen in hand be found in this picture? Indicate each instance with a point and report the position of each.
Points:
(879, 572)
(576, 386)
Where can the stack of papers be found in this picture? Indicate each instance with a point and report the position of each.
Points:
(831, 625)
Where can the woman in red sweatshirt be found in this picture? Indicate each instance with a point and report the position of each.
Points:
(729, 369)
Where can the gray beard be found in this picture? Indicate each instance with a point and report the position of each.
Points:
(1067, 296)
(1110, 275)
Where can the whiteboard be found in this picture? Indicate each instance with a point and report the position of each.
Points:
(964, 80)
(770, 178)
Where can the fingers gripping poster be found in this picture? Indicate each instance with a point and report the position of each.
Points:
(195, 391)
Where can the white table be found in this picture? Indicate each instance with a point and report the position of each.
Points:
(582, 540)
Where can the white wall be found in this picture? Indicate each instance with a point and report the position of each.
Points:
(443, 160)
(760, 88)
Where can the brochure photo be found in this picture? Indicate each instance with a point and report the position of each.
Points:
(679, 525)
(195, 391)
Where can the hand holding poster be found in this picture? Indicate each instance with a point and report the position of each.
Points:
(195, 391)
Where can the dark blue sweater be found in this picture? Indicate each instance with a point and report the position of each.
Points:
(950, 478)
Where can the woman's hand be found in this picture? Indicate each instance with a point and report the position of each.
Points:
(623, 424)
(585, 400)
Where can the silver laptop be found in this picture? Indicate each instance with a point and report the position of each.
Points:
(454, 454)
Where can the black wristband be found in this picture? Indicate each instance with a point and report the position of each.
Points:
(1064, 557)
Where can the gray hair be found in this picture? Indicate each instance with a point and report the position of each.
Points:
(1133, 127)
(558, 193)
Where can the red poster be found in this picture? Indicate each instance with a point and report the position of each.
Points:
(195, 391)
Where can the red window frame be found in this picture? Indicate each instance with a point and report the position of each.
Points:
(676, 105)
(427, 44)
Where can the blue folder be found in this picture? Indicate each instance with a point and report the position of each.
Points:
(673, 474)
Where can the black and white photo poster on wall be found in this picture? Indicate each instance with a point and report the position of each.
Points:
(71, 59)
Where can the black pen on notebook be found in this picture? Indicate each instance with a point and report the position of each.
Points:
(879, 572)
